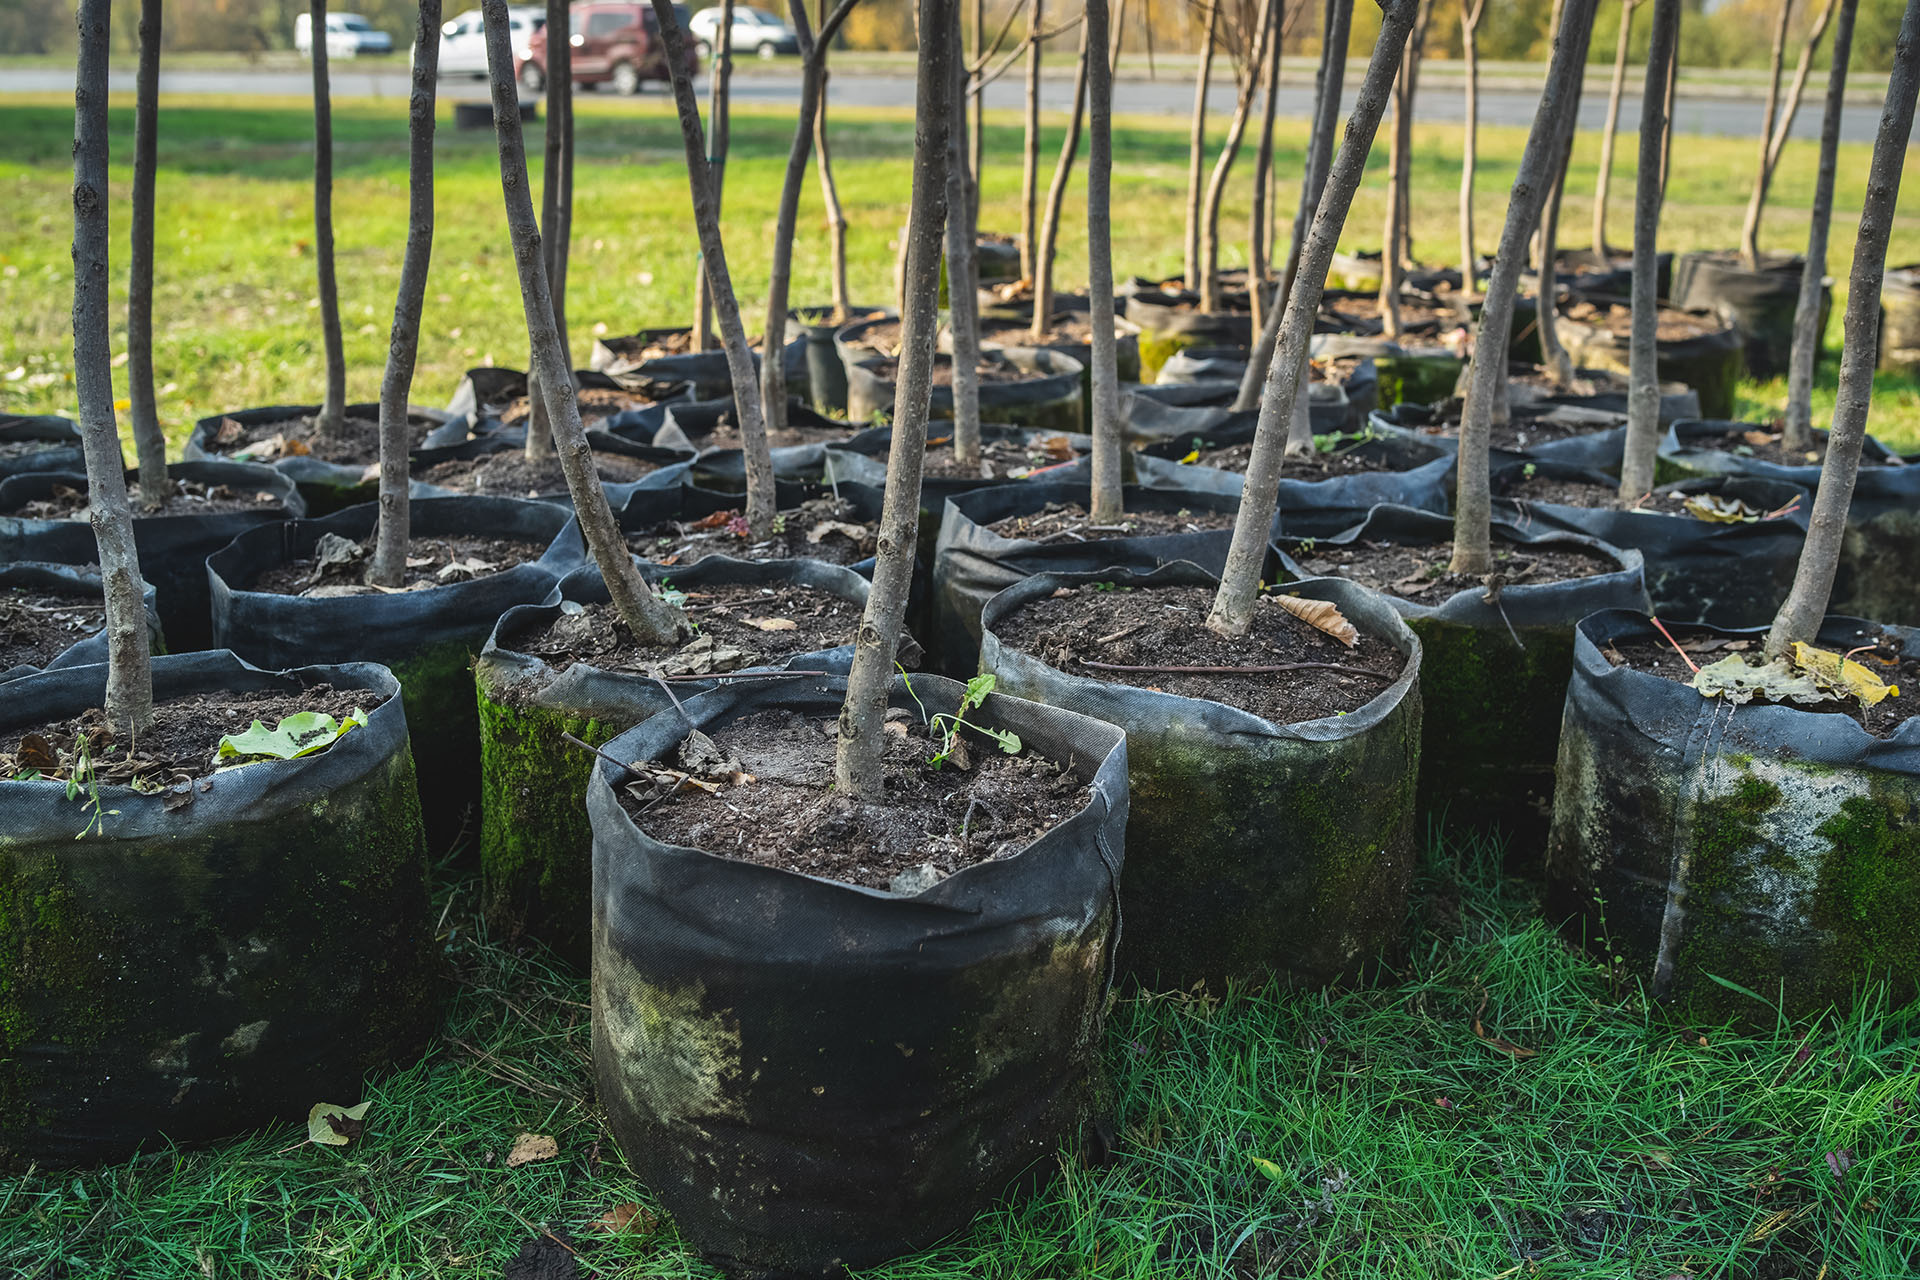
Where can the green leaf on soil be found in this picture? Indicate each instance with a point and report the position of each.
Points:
(1731, 678)
(331, 1125)
(300, 734)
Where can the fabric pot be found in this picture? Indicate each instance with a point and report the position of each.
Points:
(860, 461)
(690, 502)
(326, 486)
(186, 975)
(813, 1076)
(972, 563)
(1492, 706)
(82, 582)
(1598, 446)
(1523, 329)
(671, 466)
(705, 373)
(173, 548)
(39, 442)
(1760, 305)
(1710, 363)
(1730, 575)
(1419, 375)
(1582, 271)
(826, 371)
(1255, 850)
(429, 638)
(1900, 320)
(1048, 398)
(1765, 846)
(1152, 423)
(1126, 341)
(486, 392)
(1356, 272)
(536, 859)
(1170, 322)
(1205, 364)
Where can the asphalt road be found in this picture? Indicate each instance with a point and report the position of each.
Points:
(1439, 102)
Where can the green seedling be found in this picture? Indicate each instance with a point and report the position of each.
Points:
(946, 726)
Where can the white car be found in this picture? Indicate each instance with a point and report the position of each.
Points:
(754, 31)
(348, 36)
(463, 41)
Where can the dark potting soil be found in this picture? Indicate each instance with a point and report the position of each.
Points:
(1321, 465)
(739, 625)
(1233, 298)
(1419, 573)
(189, 498)
(882, 338)
(1414, 312)
(37, 626)
(1159, 630)
(1605, 497)
(1067, 522)
(999, 459)
(819, 529)
(726, 435)
(979, 805)
(508, 474)
(996, 371)
(431, 562)
(181, 744)
(1655, 656)
(595, 403)
(1067, 328)
(1518, 434)
(1767, 444)
(1671, 326)
(356, 440)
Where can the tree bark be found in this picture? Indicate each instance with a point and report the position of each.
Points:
(333, 404)
(1553, 356)
(1108, 446)
(1611, 129)
(976, 93)
(1806, 604)
(1416, 55)
(857, 754)
(1798, 429)
(389, 567)
(1249, 79)
(1666, 130)
(1472, 533)
(1470, 11)
(1197, 147)
(1030, 155)
(760, 506)
(1258, 266)
(1233, 605)
(1643, 374)
(963, 301)
(1399, 173)
(555, 178)
(129, 695)
(1777, 141)
(1776, 61)
(150, 443)
(830, 193)
(719, 132)
(1057, 193)
(649, 619)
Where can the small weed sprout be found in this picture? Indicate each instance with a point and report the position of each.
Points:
(946, 726)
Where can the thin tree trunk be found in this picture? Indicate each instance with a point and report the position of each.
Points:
(1257, 221)
(149, 441)
(333, 404)
(555, 167)
(129, 695)
(649, 618)
(963, 302)
(1770, 158)
(1397, 163)
(976, 93)
(1806, 604)
(1057, 193)
(857, 754)
(1643, 376)
(1470, 11)
(1233, 605)
(760, 505)
(1553, 355)
(1106, 507)
(1229, 152)
(1472, 531)
(1030, 155)
(830, 196)
(558, 239)
(719, 132)
(1666, 130)
(1776, 62)
(1611, 129)
(1197, 147)
(1416, 55)
(389, 565)
(773, 365)
(1798, 430)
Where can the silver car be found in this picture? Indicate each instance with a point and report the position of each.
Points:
(754, 31)
(463, 41)
(348, 35)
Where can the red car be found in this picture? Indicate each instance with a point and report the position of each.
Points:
(615, 42)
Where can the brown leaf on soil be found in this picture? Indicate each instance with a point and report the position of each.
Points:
(531, 1148)
(826, 527)
(1758, 437)
(717, 520)
(1321, 614)
(627, 1219)
(37, 753)
(230, 432)
(1507, 1047)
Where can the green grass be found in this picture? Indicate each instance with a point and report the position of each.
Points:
(1401, 1143)
(236, 324)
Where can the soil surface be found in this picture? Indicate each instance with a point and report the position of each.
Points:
(339, 567)
(1363, 313)
(1321, 465)
(181, 744)
(887, 369)
(726, 435)
(189, 498)
(1519, 433)
(38, 626)
(823, 528)
(1233, 299)
(1419, 572)
(595, 403)
(355, 442)
(507, 473)
(1655, 656)
(999, 459)
(1602, 497)
(1067, 328)
(1067, 522)
(1672, 325)
(934, 822)
(739, 625)
(1165, 628)
(1766, 444)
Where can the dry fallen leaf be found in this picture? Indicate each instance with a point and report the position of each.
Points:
(627, 1219)
(331, 1125)
(826, 527)
(1322, 614)
(530, 1148)
(772, 624)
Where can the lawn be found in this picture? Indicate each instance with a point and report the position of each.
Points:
(236, 319)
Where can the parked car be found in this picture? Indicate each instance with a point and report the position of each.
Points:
(754, 30)
(616, 43)
(463, 42)
(348, 36)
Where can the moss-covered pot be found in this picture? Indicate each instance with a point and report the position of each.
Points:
(813, 1076)
(30, 442)
(1417, 375)
(1255, 851)
(325, 486)
(1760, 305)
(1710, 363)
(1770, 847)
(81, 583)
(429, 638)
(1169, 322)
(1494, 675)
(187, 974)
(536, 860)
(1045, 394)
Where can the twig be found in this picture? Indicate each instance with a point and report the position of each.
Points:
(691, 678)
(673, 697)
(1662, 627)
(1389, 677)
(588, 746)
(1121, 634)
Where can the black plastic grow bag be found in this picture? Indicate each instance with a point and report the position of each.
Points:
(1169, 322)
(39, 442)
(1710, 363)
(859, 460)
(1047, 398)
(1760, 305)
(82, 582)
(326, 486)
(813, 1076)
(429, 638)
(1148, 421)
(1255, 850)
(670, 465)
(184, 975)
(1766, 846)
(826, 371)
(173, 548)
(1598, 444)
(1900, 320)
